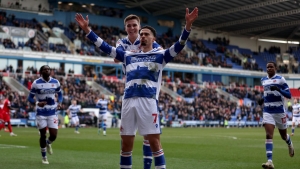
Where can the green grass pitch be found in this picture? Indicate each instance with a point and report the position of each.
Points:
(185, 148)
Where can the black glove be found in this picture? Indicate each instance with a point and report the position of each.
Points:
(261, 101)
(272, 88)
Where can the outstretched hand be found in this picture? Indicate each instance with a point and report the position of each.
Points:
(83, 23)
(190, 17)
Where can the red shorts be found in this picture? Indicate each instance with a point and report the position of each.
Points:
(6, 117)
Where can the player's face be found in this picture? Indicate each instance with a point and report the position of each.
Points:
(46, 71)
(132, 27)
(147, 37)
(295, 101)
(74, 102)
(271, 69)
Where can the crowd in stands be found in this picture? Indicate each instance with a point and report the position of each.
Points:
(7, 43)
(207, 106)
(294, 68)
(19, 103)
(108, 34)
(205, 56)
(11, 20)
(201, 55)
(220, 41)
(35, 44)
(249, 63)
(283, 68)
(242, 91)
(271, 50)
(206, 103)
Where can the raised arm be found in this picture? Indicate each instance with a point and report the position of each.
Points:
(179, 45)
(112, 51)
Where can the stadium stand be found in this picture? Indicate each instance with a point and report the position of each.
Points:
(200, 99)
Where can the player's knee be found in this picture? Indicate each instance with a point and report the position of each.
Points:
(127, 143)
(269, 135)
(283, 136)
(155, 146)
(154, 143)
(52, 137)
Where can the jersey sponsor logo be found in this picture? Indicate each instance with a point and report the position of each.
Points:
(150, 58)
(47, 91)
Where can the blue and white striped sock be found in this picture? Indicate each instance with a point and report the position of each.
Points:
(269, 149)
(159, 159)
(147, 155)
(288, 140)
(43, 151)
(125, 160)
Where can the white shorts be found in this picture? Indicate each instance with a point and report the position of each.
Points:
(102, 117)
(296, 119)
(47, 121)
(278, 119)
(139, 113)
(74, 120)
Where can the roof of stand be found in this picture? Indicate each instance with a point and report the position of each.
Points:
(260, 18)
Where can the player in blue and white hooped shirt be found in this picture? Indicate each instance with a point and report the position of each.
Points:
(44, 90)
(296, 115)
(143, 82)
(275, 89)
(132, 43)
(72, 112)
(102, 104)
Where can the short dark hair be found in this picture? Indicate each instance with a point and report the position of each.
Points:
(41, 69)
(150, 28)
(275, 65)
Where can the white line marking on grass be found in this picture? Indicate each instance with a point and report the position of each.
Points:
(225, 136)
(11, 146)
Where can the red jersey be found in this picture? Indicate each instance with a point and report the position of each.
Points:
(6, 105)
(1, 113)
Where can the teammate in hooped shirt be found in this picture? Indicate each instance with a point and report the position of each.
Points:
(44, 90)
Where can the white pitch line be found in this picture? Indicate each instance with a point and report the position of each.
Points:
(225, 136)
(11, 146)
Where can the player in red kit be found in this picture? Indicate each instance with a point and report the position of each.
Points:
(6, 113)
(2, 122)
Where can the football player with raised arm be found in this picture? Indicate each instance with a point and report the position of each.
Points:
(143, 82)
